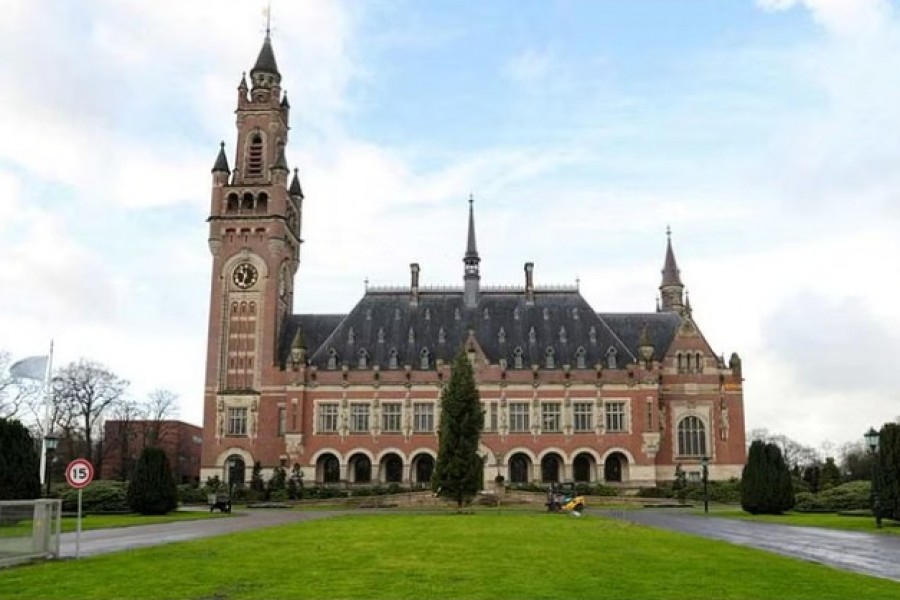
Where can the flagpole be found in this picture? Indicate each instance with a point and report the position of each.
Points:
(45, 426)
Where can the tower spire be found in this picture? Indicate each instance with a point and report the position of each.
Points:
(671, 289)
(471, 259)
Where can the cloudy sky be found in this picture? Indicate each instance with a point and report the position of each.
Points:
(765, 132)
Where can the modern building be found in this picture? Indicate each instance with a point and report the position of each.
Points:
(123, 442)
(568, 393)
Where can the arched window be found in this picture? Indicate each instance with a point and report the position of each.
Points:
(425, 359)
(548, 359)
(363, 361)
(392, 359)
(611, 358)
(698, 363)
(519, 466)
(236, 471)
(517, 358)
(255, 156)
(232, 203)
(691, 437)
(330, 469)
(262, 203)
(362, 469)
(679, 362)
(332, 359)
(579, 358)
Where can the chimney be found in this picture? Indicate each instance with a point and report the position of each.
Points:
(529, 283)
(414, 283)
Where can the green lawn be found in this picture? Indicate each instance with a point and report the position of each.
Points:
(106, 521)
(827, 520)
(483, 555)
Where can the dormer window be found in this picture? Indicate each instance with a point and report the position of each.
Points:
(332, 359)
(501, 336)
(517, 358)
(363, 358)
(392, 359)
(532, 336)
(546, 314)
(425, 359)
(442, 336)
(611, 358)
(549, 362)
(592, 335)
(562, 334)
(487, 314)
(255, 156)
(574, 314)
(411, 336)
(351, 336)
(579, 358)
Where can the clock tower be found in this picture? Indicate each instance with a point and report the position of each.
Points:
(254, 238)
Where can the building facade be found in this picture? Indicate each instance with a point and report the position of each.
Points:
(123, 442)
(568, 393)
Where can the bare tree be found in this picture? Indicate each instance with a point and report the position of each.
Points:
(796, 455)
(87, 389)
(16, 395)
(160, 407)
(122, 441)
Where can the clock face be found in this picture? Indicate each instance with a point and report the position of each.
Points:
(244, 275)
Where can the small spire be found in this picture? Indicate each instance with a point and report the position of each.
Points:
(687, 304)
(295, 189)
(265, 62)
(221, 164)
(284, 101)
(671, 274)
(243, 84)
(471, 249)
(280, 161)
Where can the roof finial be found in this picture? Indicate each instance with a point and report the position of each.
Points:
(668, 232)
(268, 12)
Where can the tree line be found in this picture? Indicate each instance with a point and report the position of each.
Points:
(84, 394)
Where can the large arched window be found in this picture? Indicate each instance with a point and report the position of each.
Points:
(691, 437)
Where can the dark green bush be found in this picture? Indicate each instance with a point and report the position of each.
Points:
(19, 462)
(854, 495)
(656, 492)
(723, 492)
(189, 493)
(98, 497)
(152, 489)
(767, 486)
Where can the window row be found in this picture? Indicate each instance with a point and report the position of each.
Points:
(359, 418)
(551, 416)
(426, 361)
(247, 203)
(689, 362)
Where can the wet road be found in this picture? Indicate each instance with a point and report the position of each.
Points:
(868, 553)
(101, 541)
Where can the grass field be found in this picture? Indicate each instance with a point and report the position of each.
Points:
(106, 521)
(482, 555)
(827, 520)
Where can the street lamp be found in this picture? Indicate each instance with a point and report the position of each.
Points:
(704, 464)
(51, 441)
(871, 437)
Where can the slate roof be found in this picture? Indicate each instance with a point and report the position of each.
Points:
(265, 62)
(561, 322)
(661, 328)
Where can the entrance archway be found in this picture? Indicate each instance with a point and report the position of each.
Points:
(519, 468)
(423, 467)
(583, 468)
(328, 469)
(614, 468)
(361, 468)
(550, 467)
(236, 471)
(392, 468)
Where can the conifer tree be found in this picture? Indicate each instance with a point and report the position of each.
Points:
(152, 490)
(19, 462)
(887, 472)
(766, 486)
(459, 469)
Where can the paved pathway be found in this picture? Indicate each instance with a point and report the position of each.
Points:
(101, 541)
(869, 553)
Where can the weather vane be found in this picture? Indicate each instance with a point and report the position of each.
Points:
(267, 11)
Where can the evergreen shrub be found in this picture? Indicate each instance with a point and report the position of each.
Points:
(152, 489)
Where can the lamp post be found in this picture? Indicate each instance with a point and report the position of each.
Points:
(704, 464)
(51, 441)
(871, 437)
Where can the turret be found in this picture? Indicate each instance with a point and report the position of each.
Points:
(671, 289)
(471, 277)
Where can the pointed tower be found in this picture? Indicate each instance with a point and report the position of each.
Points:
(471, 278)
(254, 237)
(671, 289)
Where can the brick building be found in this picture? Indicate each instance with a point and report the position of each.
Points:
(568, 393)
(123, 442)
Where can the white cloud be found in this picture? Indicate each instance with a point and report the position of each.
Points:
(854, 18)
(531, 67)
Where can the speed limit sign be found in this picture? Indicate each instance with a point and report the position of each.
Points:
(79, 473)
